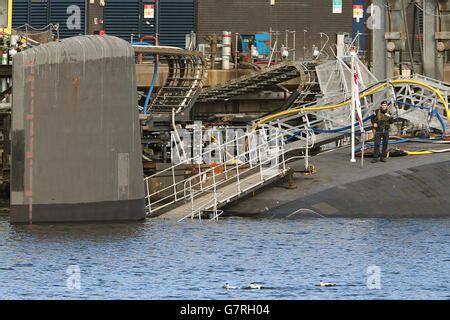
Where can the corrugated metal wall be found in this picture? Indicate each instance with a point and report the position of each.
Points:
(40, 13)
(148, 26)
(58, 14)
(177, 18)
(123, 18)
(20, 12)
(251, 16)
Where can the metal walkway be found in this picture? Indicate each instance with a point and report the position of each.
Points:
(213, 201)
(260, 80)
(208, 189)
(420, 101)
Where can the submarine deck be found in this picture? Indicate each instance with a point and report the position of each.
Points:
(409, 186)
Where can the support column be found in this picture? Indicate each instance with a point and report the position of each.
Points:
(377, 22)
(95, 23)
(442, 38)
(395, 37)
(429, 40)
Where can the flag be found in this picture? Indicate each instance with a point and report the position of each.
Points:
(357, 100)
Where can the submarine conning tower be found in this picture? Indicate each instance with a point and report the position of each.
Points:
(76, 148)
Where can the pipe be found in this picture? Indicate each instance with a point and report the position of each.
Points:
(142, 41)
(408, 41)
(152, 86)
(226, 50)
(155, 69)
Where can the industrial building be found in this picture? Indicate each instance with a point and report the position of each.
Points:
(173, 19)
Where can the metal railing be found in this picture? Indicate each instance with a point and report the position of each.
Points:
(236, 171)
(265, 152)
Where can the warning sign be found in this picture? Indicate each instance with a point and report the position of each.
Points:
(149, 11)
(337, 6)
(358, 12)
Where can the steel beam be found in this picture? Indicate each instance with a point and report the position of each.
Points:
(378, 25)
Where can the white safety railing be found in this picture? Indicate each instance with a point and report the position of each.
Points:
(194, 186)
(264, 157)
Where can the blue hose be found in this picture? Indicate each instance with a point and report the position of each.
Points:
(338, 129)
(316, 130)
(155, 76)
(444, 126)
(435, 112)
(141, 44)
(390, 142)
(152, 86)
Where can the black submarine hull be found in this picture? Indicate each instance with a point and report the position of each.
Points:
(411, 186)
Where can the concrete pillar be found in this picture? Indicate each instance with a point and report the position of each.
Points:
(442, 38)
(378, 24)
(429, 40)
(75, 136)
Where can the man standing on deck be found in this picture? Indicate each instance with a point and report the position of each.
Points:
(381, 120)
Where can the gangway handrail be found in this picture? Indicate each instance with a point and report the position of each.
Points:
(213, 188)
(198, 157)
(237, 166)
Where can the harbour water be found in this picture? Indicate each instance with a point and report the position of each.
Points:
(192, 260)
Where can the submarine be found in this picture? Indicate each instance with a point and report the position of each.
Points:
(409, 186)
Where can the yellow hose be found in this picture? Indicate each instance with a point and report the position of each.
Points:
(362, 96)
(418, 153)
(425, 152)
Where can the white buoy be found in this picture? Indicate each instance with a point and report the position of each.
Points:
(229, 287)
(255, 286)
(327, 284)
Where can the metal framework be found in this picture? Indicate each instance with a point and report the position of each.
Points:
(419, 100)
(259, 80)
(207, 189)
(186, 76)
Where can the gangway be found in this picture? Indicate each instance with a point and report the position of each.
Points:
(207, 190)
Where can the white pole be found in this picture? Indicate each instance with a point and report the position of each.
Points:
(226, 50)
(353, 107)
(363, 135)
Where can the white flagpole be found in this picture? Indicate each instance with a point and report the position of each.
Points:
(352, 54)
